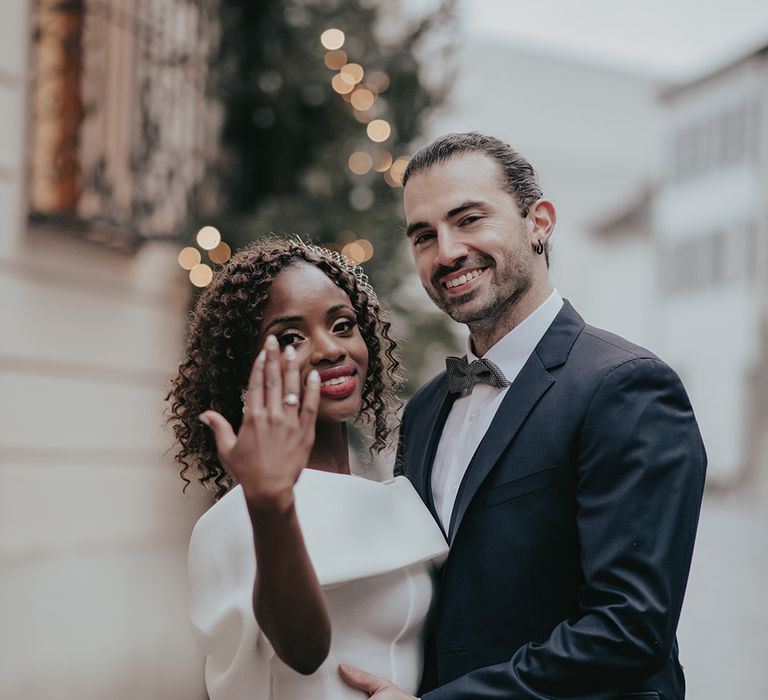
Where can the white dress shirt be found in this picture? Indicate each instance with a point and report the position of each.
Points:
(472, 413)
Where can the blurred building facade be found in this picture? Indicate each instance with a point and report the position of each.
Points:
(710, 223)
(103, 139)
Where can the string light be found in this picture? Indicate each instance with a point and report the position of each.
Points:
(394, 176)
(220, 254)
(363, 117)
(354, 251)
(360, 162)
(189, 257)
(201, 275)
(335, 59)
(362, 99)
(208, 237)
(378, 81)
(367, 248)
(332, 39)
(378, 130)
(382, 161)
(361, 198)
(352, 73)
(392, 182)
(339, 85)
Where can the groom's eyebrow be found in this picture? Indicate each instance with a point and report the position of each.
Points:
(412, 228)
(463, 207)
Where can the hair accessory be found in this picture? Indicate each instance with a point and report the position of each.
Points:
(342, 261)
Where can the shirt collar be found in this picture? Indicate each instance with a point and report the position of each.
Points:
(513, 350)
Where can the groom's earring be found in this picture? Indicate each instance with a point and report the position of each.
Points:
(539, 248)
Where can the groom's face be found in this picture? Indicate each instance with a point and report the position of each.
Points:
(473, 251)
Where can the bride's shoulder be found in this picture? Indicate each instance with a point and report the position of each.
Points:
(222, 533)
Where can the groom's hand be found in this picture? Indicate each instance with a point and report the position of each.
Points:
(377, 688)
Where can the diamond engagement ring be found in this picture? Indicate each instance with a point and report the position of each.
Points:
(291, 400)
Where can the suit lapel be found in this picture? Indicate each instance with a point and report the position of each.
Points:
(530, 385)
(424, 460)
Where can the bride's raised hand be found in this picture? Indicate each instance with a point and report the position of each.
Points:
(278, 429)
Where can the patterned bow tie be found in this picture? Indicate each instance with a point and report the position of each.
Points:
(462, 375)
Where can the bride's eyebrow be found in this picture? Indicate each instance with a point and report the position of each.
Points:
(283, 319)
(339, 307)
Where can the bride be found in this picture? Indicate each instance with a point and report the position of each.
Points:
(299, 566)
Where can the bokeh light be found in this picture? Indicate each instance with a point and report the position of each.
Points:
(332, 39)
(352, 73)
(340, 85)
(394, 176)
(362, 99)
(335, 59)
(379, 130)
(360, 162)
(201, 275)
(208, 237)
(382, 161)
(377, 81)
(220, 254)
(189, 257)
(361, 198)
(367, 247)
(354, 251)
(363, 117)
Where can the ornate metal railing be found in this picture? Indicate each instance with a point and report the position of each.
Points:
(122, 124)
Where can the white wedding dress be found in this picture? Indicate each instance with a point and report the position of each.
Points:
(374, 547)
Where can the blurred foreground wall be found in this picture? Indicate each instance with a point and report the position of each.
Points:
(93, 525)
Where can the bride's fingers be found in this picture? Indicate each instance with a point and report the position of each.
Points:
(291, 380)
(273, 380)
(310, 403)
(222, 431)
(254, 392)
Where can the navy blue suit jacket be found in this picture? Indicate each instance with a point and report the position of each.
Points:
(573, 529)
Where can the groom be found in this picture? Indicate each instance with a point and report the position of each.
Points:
(563, 462)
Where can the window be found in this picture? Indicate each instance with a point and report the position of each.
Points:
(119, 115)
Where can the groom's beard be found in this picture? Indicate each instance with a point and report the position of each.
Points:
(503, 286)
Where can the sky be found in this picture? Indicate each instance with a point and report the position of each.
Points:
(669, 39)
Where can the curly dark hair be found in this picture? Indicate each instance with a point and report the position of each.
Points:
(222, 340)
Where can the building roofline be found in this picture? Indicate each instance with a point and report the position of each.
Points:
(761, 52)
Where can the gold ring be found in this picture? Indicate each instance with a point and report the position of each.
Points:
(291, 400)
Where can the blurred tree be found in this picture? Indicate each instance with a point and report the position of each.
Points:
(306, 148)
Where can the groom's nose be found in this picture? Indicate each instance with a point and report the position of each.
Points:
(450, 248)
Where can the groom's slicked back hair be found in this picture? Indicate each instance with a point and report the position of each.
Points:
(518, 176)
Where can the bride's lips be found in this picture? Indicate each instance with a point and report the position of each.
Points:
(338, 382)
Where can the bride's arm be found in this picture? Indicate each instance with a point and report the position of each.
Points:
(287, 599)
(266, 457)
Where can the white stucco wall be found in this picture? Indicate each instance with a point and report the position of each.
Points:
(93, 525)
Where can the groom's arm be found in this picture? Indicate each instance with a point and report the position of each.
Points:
(640, 478)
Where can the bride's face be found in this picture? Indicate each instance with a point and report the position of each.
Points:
(309, 312)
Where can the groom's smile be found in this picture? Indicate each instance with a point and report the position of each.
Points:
(470, 243)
